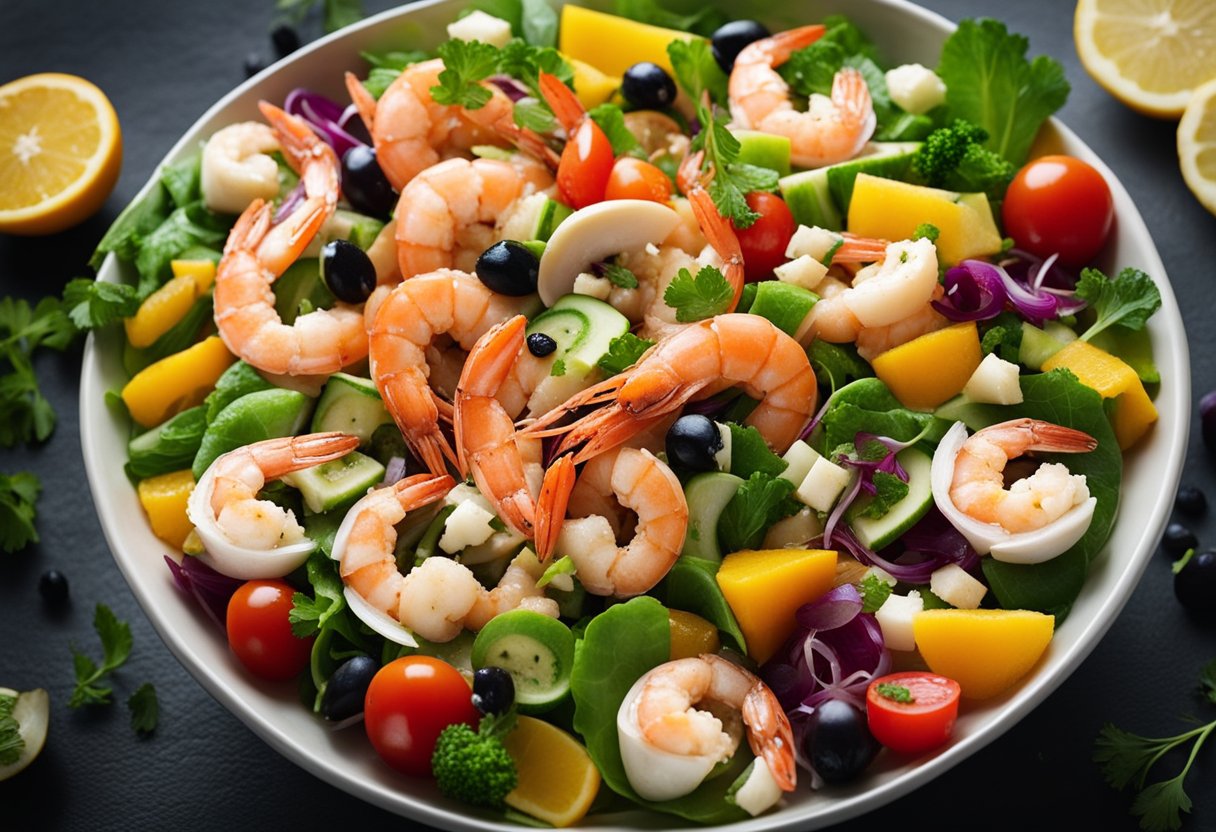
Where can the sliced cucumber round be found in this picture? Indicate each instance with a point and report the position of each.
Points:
(331, 484)
(31, 711)
(707, 495)
(538, 652)
(350, 404)
(876, 533)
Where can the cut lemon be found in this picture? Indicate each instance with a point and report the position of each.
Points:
(60, 152)
(557, 780)
(1149, 54)
(1197, 145)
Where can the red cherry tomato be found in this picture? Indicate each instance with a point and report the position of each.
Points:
(259, 631)
(919, 725)
(764, 241)
(1059, 204)
(586, 164)
(408, 704)
(635, 179)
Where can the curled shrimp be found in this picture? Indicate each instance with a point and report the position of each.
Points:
(685, 716)
(695, 362)
(831, 130)
(257, 252)
(246, 537)
(236, 167)
(978, 487)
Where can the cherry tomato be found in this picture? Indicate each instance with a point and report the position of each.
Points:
(1059, 204)
(259, 631)
(409, 703)
(634, 179)
(586, 164)
(919, 725)
(765, 240)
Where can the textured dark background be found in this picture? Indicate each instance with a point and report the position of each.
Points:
(163, 64)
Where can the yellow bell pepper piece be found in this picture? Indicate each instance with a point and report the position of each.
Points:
(927, 370)
(203, 271)
(764, 589)
(165, 307)
(612, 44)
(590, 85)
(691, 635)
(985, 651)
(164, 500)
(175, 383)
(1134, 412)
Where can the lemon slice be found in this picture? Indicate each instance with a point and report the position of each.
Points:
(1149, 54)
(60, 152)
(557, 780)
(1197, 145)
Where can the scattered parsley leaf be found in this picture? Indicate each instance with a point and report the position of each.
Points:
(837, 364)
(18, 495)
(611, 120)
(1004, 337)
(1207, 681)
(386, 66)
(562, 566)
(95, 303)
(558, 368)
(874, 593)
(896, 693)
(620, 276)
(534, 114)
(623, 352)
(890, 490)
(466, 64)
(11, 742)
(115, 638)
(525, 63)
(927, 230)
(731, 181)
(760, 502)
(1129, 300)
(704, 296)
(749, 453)
(309, 615)
(696, 70)
(24, 412)
(145, 710)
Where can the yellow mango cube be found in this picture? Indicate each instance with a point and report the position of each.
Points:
(985, 651)
(203, 272)
(930, 369)
(764, 589)
(891, 210)
(591, 86)
(691, 635)
(1134, 412)
(175, 383)
(612, 44)
(164, 500)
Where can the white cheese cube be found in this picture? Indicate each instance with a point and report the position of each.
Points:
(597, 287)
(463, 492)
(799, 459)
(722, 457)
(822, 485)
(953, 585)
(468, 525)
(995, 381)
(793, 532)
(804, 271)
(895, 619)
(759, 791)
(915, 88)
(815, 242)
(483, 27)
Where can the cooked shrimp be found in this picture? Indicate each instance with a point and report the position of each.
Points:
(669, 719)
(448, 213)
(831, 130)
(413, 314)
(236, 167)
(697, 361)
(645, 485)
(978, 487)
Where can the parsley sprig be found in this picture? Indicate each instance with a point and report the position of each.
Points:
(115, 638)
(696, 298)
(18, 496)
(144, 708)
(25, 413)
(1128, 300)
(466, 64)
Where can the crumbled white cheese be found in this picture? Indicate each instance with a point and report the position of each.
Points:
(483, 27)
(915, 88)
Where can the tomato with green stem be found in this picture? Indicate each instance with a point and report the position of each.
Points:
(912, 712)
(585, 166)
(259, 631)
(764, 241)
(1059, 205)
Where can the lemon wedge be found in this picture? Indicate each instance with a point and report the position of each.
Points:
(1197, 145)
(557, 780)
(60, 152)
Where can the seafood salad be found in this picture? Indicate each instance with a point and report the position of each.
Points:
(672, 409)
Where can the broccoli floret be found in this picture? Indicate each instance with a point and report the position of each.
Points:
(955, 158)
(474, 766)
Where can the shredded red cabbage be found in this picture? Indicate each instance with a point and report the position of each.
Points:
(513, 89)
(866, 469)
(936, 546)
(394, 471)
(211, 589)
(324, 115)
(979, 291)
(290, 203)
(934, 535)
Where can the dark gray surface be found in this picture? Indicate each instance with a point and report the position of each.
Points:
(162, 65)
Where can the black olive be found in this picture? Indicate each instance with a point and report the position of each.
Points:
(1177, 539)
(347, 687)
(1195, 585)
(285, 38)
(364, 183)
(692, 442)
(838, 742)
(540, 344)
(1190, 500)
(254, 63)
(493, 690)
(509, 268)
(731, 37)
(53, 587)
(648, 86)
(348, 271)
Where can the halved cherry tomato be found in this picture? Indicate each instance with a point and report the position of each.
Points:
(916, 726)
(259, 631)
(1059, 204)
(635, 179)
(764, 241)
(408, 704)
(585, 165)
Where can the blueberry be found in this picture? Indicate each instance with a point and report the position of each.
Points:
(1190, 500)
(731, 37)
(348, 271)
(1177, 539)
(648, 86)
(838, 742)
(692, 442)
(509, 268)
(540, 344)
(347, 687)
(364, 184)
(1195, 584)
(285, 38)
(254, 63)
(493, 690)
(53, 587)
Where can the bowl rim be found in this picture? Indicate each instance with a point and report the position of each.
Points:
(1167, 325)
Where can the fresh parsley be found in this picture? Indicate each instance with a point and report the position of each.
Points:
(25, 413)
(95, 303)
(696, 70)
(466, 64)
(696, 298)
(1127, 758)
(896, 693)
(837, 364)
(889, 490)
(623, 352)
(611, 120)
(760, 502)
(558, 368)
(749, 453)
(619, 276)
(145, 709)
(18, 496)
(309, 615)
(11, 743)
(874, 593)
(115, 638)
(1004, 337)
(927, 230)
(1128, 301)
(386, 67)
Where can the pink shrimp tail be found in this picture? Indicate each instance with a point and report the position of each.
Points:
(1046, 436)
(721, 235)
(363, 100)
(783, 44)
(433, 448)
(851, 96)
(856, 249)
(421, 489)
(562, 100)
(551, 505)
(688, 177)
(597, 394)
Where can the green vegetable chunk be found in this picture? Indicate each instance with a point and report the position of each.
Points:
(474, 766)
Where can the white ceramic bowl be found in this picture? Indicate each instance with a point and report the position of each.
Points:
(345, 759)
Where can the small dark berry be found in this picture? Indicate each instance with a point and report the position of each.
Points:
(1177, 539)
(286, 39)
(1191, 500)
(540, 344)
(254, 63)
(53, 587)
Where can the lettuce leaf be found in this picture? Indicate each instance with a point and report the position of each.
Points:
(867, 405)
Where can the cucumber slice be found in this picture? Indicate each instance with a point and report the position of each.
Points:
(809, 199)
(567, 327)
(1037, 346)
(707, 495)
(785, 304)
(360, 229)
(335, 483)
(352, 405)
(876, 533)
(301, 283)
(766, 150)
(975, 415)
(538, 652)
(552, 213)
(821, 197)
(605, 324)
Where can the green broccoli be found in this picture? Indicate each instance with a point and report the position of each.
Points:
(955, 158)
(474, 766)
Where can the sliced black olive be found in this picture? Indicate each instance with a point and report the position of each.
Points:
(364, 183)
(347, 687)
(540, 344)
(493, 690)
(348, 271)
(509, 268)
(731, 37)
(838, 742)
(648, 86)
(692, 441)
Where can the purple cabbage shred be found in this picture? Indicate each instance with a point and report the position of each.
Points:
(210, 589)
